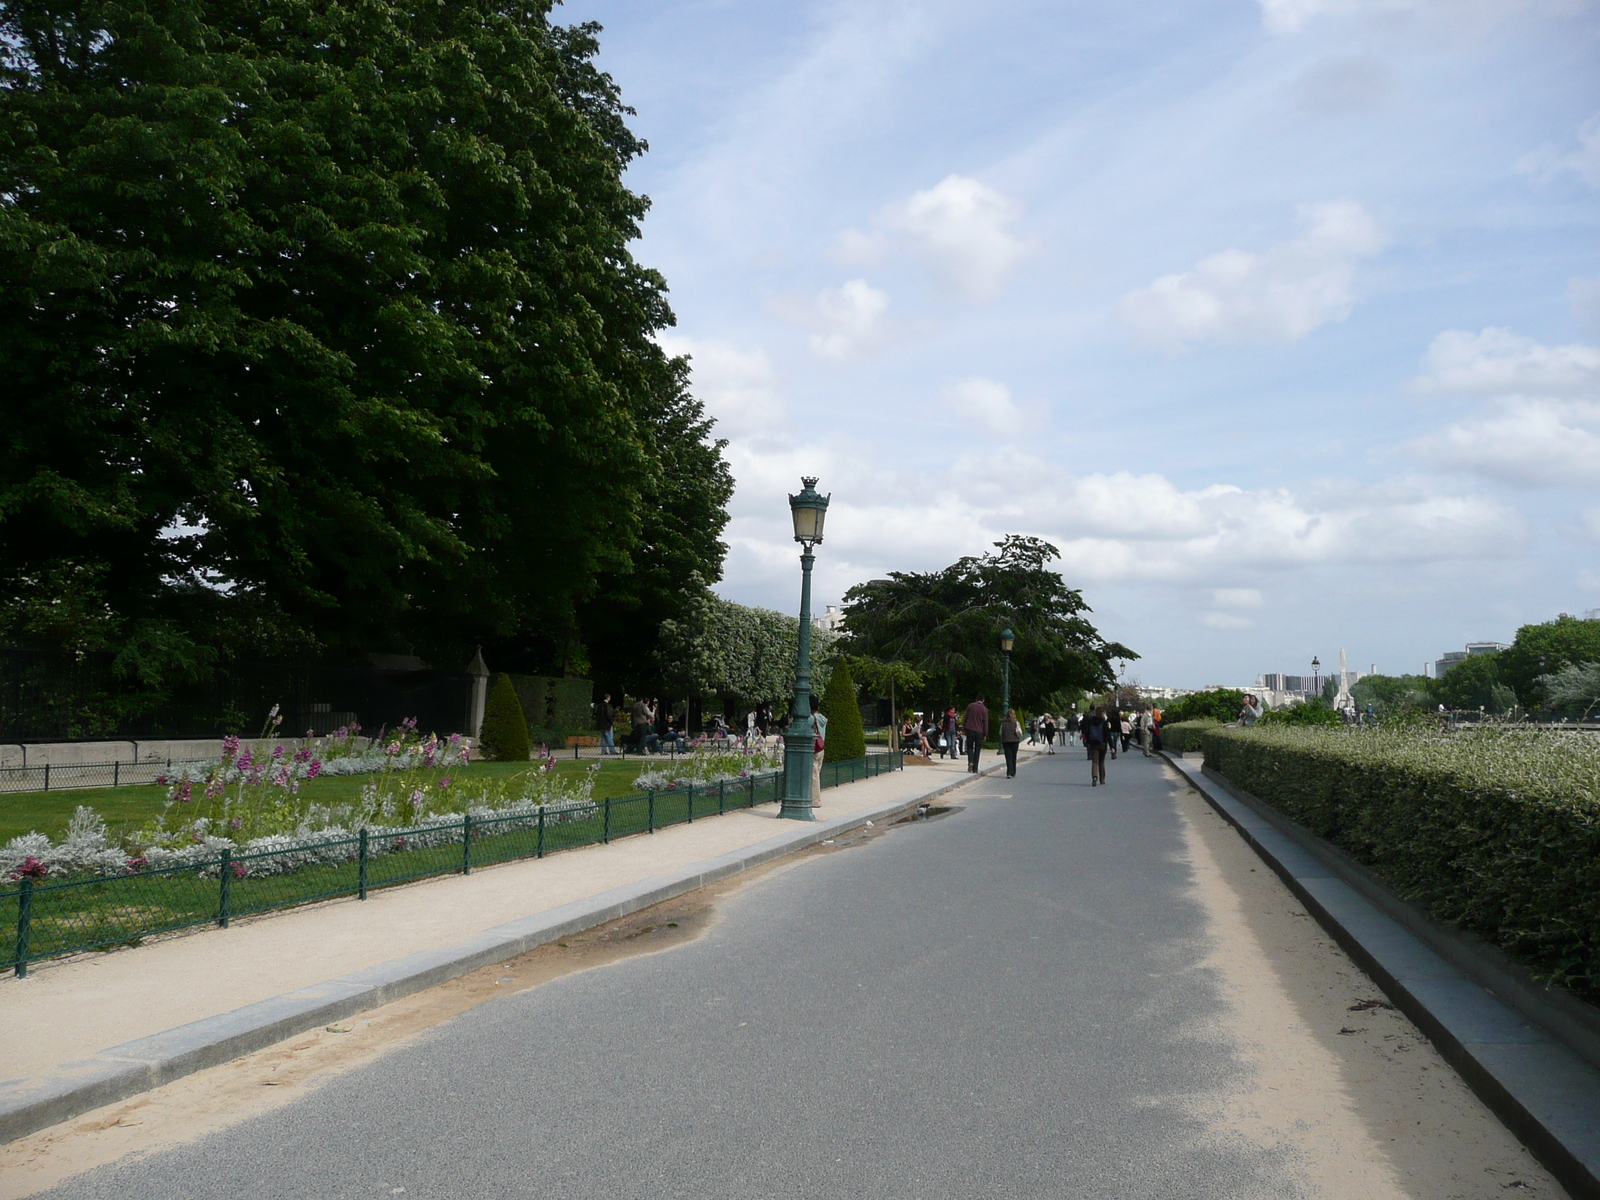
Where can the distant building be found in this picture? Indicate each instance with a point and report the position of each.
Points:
(1161, 693)
(830, 618)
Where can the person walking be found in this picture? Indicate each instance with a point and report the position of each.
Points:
(1114, 717)
(1098, 736)
(639, 712)
(819, 738)
(975, 729)
(1010, 737)
(952, 732)
(1049, 730)
(605, 720)
(1033, 730)
(1146, 732)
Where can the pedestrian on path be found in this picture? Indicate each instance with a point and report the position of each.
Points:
(975, 728)
(952, 733)
(1048, 727)
(605, 720)
(1114, 718)
(1098, 736)
(819, 737)
(1147, 732)
(1010, 737)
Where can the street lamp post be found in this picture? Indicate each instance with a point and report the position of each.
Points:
(1316, 676)
(809, 509)
(1007, 638)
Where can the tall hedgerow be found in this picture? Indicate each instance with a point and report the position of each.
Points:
(504, 735)
(846, 738)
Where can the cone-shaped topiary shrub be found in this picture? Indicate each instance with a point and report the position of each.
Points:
(846, 738)
(504, 735)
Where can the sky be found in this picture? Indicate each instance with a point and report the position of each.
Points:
(1279, 318)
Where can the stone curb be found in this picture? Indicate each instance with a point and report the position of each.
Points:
(149, 1062)
(1542, 1089)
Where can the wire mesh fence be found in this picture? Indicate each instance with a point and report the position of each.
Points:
(54, 776)
(46, 918)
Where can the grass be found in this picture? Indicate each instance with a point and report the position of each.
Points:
(134, 807)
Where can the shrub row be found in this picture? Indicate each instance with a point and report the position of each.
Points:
(1494, 830)
(1185, 735)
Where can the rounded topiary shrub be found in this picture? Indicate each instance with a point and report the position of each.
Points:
(846, 738)
(504, 735)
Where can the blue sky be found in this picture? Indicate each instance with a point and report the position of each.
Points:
(1281, 318)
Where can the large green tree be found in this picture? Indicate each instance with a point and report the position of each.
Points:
(1545, 649)
(322, 330)
(947, 624)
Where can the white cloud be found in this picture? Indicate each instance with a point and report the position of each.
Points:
(1236, 597)
(1348, 84)
(1589, 524)
(1291, 16)
(739, 387)
(846, 319)
(961, 229)
(1501, 361)
(1548, 163)
(986, 401)
(1222, 620)
(1281, 295)
(1111, 528)
(1527, 442)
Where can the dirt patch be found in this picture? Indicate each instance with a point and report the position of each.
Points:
(1352, 1095)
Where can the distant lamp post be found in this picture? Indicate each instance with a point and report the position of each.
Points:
(808, 509)
(1316, 675)
(1007, 640)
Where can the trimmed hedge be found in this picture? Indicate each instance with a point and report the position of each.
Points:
(1185, 735)
(504, 736)
(1495, 830)
(551, 703)
(846, 738)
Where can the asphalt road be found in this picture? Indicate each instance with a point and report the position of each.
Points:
(1002, 1002)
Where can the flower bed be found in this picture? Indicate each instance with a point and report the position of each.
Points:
(1496, 830)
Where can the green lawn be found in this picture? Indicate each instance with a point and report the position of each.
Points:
(128, 808)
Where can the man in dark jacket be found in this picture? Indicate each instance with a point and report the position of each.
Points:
(605, 720)
(1097, 736)
(975, 728)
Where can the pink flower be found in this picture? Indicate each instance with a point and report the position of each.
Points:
(444, 783)
(245, 760)
(161, 779)
(277, 753)
(185, 791)
(314, 769)
(240, 870)
(236, 823)
(31, 868)
(303, 754)
(135, 864)
(230, 746)
(214, 787)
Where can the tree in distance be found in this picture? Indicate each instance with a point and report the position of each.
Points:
(846, 737)
(504, 736)
(946, 625)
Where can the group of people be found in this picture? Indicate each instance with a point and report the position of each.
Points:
(1101, 733)
(653, 730)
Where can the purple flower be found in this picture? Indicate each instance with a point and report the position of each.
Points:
(444, 783)
(236, 823)
(314, 769)
(230, 746)
(240, 870)
(135, 864)
(277, 753)
(31, 868)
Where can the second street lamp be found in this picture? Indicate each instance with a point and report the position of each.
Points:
(809, 509)
(1007, 639)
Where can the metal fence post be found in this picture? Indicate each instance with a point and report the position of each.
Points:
(47, 776)
(361, 869)
(466, 843)
(605, 835)
(752, 780)
(24, 924)
(722, 796)
(652, 809)
(116, 773)
(225, 898)
(691, 802)
(539, 853)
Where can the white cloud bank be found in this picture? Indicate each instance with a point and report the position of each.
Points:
(1292, 16)
(961, 230)
(1277, 296)
(739, 387)
(1542, 426)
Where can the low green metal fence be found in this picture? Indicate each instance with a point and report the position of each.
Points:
(46, 918)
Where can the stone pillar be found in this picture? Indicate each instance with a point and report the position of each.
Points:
(480, 694)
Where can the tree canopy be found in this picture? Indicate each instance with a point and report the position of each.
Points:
(1544, 649)
(947, 624)
(323, 335)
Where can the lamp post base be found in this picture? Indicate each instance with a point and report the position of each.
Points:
(797, 752)
(794, 810)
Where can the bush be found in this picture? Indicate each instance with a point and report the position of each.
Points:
(1221, 705)
(1185, 735)
(504, 735)
(1314, 713)
(1496, 830)
(846, 738)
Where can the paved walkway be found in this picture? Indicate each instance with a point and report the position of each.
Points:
(67, 1010)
